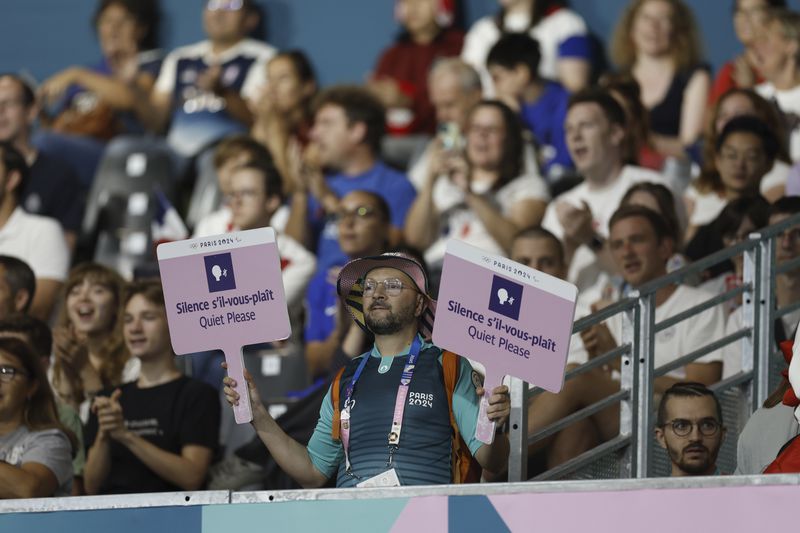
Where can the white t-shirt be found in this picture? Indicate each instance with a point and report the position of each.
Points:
(789, 103)
(551, 31)
(459, 221)
(584, 270)
(684, 337)
(37, 240)
(707, 205)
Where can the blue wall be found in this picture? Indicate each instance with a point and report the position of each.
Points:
(43, 36)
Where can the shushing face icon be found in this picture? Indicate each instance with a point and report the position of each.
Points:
(505, 297)
(502, 295)
(219, 272)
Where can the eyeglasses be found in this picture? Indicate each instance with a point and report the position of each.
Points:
(358, 213)
(392, 286)
(681, 427)
(7, 373)
(224, 5)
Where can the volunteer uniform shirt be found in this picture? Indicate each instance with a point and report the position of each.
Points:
(199, 118)
(423, 457)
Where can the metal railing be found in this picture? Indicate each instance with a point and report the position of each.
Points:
(633, 444)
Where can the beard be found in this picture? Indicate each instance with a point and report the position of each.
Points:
(390, 322)
(697, 467)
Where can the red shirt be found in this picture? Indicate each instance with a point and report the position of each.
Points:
(724, 82)
(408, 63)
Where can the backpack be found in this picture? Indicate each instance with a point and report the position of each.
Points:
(464, 467)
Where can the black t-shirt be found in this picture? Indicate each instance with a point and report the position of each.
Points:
(171, 415)
(54, 190)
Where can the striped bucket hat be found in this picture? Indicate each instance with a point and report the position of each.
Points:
(350, 287)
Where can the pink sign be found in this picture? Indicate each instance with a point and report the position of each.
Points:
(514, 320)
(222, 293)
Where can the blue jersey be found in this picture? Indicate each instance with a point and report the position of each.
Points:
(423, 457)
(389, 184)
(545, 118)
(199, 118)
(322, 304)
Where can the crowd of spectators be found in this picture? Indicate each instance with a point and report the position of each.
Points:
(520, 145)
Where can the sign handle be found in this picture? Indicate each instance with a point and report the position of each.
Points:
(484, 431)
(242, 413)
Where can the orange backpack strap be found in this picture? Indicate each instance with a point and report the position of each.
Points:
(464, 466)
(335, 390)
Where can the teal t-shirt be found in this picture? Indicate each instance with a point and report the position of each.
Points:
(425, 444)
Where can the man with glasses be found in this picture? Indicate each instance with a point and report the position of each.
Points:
(332, 340)
(363, 224)
(203, 90)
(640, 244)
(357, 438)
(690, 429)
(229, 154)
(255, 195)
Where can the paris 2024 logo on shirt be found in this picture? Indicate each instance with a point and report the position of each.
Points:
(219, 272)
(505, 297)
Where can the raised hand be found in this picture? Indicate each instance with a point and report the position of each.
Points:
(499, 404)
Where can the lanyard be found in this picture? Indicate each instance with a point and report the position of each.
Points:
(399, 405)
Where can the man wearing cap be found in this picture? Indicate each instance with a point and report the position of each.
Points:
(394, 423)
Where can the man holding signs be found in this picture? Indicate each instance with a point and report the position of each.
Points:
(393, 422)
